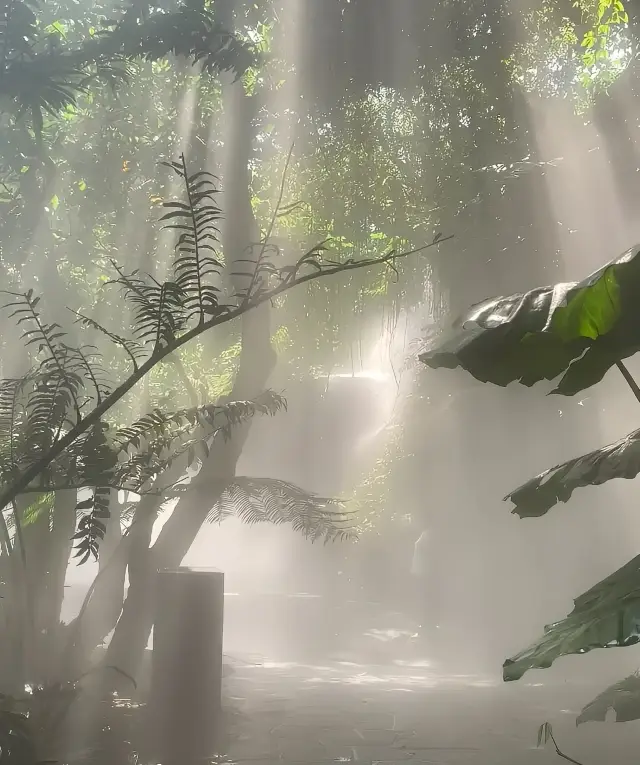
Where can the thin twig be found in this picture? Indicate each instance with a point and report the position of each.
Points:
(629, 379)
(561, 753)
(272, 223)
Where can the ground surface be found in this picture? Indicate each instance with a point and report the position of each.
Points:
(307, 692)
(341, 713)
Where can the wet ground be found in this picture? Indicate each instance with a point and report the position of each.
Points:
(340, 712)
(304, 691)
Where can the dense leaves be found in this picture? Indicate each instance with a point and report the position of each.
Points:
(40, 76)
(538, 495)
(606, 616)
(575, 331)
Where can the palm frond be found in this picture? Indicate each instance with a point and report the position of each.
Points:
(18, 29)
(270, 500)
(50, 89)
(195, 220)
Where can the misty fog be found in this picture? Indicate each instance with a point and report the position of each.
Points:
(357, 516)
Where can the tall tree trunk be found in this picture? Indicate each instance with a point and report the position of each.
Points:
(257, 361)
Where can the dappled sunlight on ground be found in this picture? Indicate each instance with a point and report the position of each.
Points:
(390, 677)
(408, 711)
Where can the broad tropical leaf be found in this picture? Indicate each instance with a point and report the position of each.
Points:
(606, 616)
(575, 331)
(623, 698)
(538, 495)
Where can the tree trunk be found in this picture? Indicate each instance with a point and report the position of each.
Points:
(257, 361)
(60, 545)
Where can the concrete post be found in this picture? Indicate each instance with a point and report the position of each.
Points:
(186, 676)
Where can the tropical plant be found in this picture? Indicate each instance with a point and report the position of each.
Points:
(54, 431)
(56, 434)
(571, 334)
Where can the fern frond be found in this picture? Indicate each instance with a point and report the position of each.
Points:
(269, 500)
(13, 445)
(138, 454)
(159, 313)
(213, 418)
(55, 372)
(196, 221)
(93, 524)
(91, 460)
(43, 505)
(83, 360)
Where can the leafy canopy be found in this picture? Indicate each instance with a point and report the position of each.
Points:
(42, 76)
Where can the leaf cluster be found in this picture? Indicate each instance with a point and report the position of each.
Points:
(39, 75)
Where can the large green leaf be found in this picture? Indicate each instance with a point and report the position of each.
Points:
(538, 495)
(576, 330)
(606, 616)
(623, 698)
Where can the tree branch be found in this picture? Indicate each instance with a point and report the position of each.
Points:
(289, 282)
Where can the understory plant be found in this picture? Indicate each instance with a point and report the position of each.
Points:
(571, 334)
(61, 441)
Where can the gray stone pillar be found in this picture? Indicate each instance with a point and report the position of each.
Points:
(186, 677)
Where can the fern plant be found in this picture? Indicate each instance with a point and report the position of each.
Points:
(54, 420)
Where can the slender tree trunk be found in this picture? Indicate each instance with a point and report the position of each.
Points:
(60, 545)
(257, 362)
